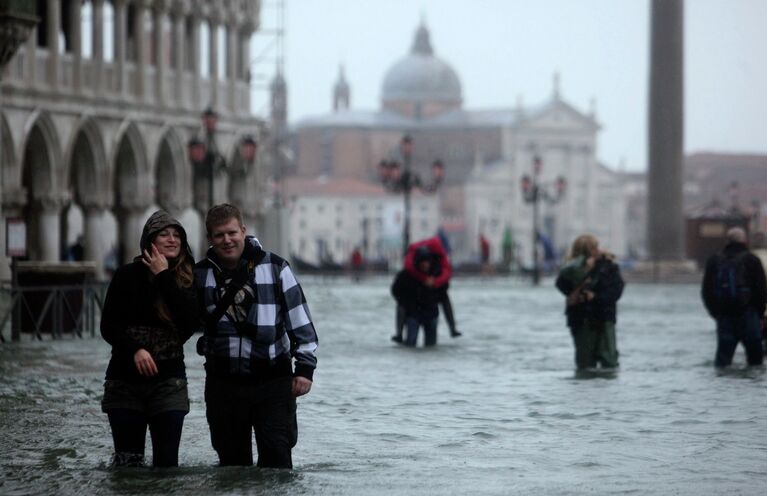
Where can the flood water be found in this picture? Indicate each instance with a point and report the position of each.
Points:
(498, 411)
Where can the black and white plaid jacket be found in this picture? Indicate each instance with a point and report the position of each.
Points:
(267, 324)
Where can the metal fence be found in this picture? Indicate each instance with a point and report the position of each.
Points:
(55, 311)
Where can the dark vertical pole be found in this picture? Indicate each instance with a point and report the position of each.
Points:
(665, 234)
(209, 163)
(406, 228)
(18, 301)
(536, 270)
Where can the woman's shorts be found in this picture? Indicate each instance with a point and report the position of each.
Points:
(149, 398)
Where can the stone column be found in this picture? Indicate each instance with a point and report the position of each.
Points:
(158, 14)
(179, 40)
(213, 56)
(52, 35)
(232, 56)
(97, 27)
(49, 227)
(131, 220)
(244, 65)
(75, 31)
(665, 232)
(120, 34)
(30, 71)
(195, 58)
(93, 233)
(140, 46)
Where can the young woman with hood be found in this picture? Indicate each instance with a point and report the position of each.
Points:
(149, 312)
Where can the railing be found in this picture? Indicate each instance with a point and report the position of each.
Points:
(51, 310)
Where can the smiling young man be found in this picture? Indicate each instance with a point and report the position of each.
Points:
(256, 324)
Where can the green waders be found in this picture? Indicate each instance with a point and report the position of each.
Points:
(595, 343)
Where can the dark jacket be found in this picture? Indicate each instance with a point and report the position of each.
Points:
(753, 274)
(605, 281)
(416, 298)
(130, 320)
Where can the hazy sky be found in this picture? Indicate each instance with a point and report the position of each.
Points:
(504, 49)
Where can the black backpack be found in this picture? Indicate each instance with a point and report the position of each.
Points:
(731, 288)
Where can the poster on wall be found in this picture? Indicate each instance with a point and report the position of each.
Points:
(15, 238)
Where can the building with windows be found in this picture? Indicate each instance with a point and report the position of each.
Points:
(486, 153)
(98, 107)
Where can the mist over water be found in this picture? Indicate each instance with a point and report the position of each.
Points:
(497, 411)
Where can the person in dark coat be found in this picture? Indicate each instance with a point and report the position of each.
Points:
(149, 313)
(592, 283)
(734, 293)
(418, 300)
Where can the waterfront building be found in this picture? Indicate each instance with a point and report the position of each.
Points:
(98, 107)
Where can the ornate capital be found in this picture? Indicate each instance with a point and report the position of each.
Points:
(52, 202)
(14, 200)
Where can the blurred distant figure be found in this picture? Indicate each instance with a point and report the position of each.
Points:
(357, 263)
(484, 249)
(735, 295)
(592, 283)
(77, 250)
(438, 278)
(418, 300)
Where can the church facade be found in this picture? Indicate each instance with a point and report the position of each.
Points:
(98, 107)
(486, 153)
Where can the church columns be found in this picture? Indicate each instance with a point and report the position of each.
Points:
(131, 223)
(75, 24)
(213, 53)
(195, 58)
(98, 45)
(179, 40)
(93, 234)
(139, 42)
(120, 34)
(158, 14)
(666, 132)
(231, 65)
(49, 227)
(52, 37)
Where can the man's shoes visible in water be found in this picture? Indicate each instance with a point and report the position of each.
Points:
(455, 334)
(397, 339)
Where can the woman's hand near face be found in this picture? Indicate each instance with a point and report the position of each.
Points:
(155, 260)
(145, 363)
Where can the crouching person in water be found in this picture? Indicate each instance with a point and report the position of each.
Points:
(149, 312)
(418, 301)
(256, 323)
(592, 283)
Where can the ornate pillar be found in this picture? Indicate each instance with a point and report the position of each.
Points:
(97, 28)
(30, 71)
(49, 226)
(665, 233)
(131, 220)
(140, 46)
(75, 30)
(244, 66)
(158, 14)
(93, 232)
(195, 58)
(213, 56)
(231, 65)
(178, 20)
(52, 35)
(120, 34)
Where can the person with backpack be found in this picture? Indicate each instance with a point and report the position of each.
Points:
(734, 293)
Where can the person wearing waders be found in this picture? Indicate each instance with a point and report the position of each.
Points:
(418, 301)
(150, 311)
(256, 325)
(438, 278)
(735, 295)
(592, 283)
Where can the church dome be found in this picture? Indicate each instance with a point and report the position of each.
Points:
(420, 77)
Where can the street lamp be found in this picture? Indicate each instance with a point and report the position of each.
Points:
(534, 191)
(205, 157)
(403, 181)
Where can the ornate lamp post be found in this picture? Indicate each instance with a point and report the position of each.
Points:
(403, 181)
(205, 157)
(533, 191)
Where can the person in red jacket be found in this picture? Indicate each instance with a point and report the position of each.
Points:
(438, 278)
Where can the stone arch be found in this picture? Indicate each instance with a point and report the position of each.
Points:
(41, 178)
(173, 178)
(131, 183)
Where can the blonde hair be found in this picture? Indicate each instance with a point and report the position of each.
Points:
(582, 246)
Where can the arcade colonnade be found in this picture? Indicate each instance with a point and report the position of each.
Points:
(94, 135)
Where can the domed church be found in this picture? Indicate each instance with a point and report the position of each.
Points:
(486, 153)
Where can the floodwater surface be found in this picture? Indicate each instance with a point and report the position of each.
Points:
(497, 411)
